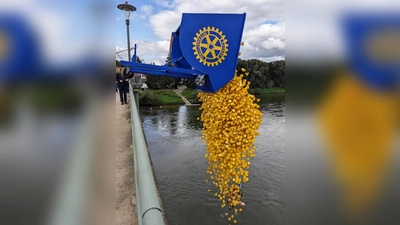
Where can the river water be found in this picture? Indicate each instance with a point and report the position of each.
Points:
(174, 139)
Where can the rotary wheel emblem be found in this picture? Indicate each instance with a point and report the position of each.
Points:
(210, 46)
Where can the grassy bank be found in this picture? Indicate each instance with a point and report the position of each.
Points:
(169, 97)
(257, 91)
(163, 97)
(190, 95)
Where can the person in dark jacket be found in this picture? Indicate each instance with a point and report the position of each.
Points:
(123, 88)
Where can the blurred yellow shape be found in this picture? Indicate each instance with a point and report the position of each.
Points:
(359, 125)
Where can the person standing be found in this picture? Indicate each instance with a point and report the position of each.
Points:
(122, 87)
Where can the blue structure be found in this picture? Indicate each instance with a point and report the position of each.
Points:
(19, 50)
(373, 42)
(22, 61)
(205, 48)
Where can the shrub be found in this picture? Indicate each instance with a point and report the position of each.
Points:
(190, 95)
(148, 98)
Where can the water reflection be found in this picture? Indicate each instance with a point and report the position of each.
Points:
(182, 120)
(169, 121)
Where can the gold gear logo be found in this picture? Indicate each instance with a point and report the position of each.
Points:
(210, 46)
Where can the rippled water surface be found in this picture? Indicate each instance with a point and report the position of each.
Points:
(174, 138)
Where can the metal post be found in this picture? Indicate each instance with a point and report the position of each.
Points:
(136, 94)
(136, 84)
(129, 41)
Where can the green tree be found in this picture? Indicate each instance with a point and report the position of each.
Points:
(163, 82)
(160, 82)
(189, 83)
(262, 74)
(278, 73)
(169, 61)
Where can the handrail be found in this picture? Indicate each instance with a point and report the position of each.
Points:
(147, 202)
(70, 205)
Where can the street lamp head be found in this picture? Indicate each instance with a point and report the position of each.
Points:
(127, 8)
(127, 13)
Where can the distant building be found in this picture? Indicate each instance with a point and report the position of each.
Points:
(143, 77)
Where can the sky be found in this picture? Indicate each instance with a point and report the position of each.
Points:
(78, 30)
(154, 20)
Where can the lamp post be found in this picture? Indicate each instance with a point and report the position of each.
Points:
(127, 8)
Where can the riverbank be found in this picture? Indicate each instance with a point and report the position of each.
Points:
(273, 90)
(191, 95)
(187, 102)
(170, 97)
(159, 97)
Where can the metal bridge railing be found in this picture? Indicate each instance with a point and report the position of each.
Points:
(148, 205)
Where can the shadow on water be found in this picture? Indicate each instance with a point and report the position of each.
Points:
(174, 137)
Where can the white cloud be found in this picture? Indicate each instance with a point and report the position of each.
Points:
(264, 33)
(147, 9)
(150, 52)
(273, 43)
(271, 30)
(266, 41)
(164, 23)
(270, 59)
(257, 35)
(165, 3)
(258, 11)
(143, 13)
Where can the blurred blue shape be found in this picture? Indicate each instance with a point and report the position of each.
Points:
(21, 59)
(19, 52)
(359, 31)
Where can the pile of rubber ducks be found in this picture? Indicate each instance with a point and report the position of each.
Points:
(231, 118)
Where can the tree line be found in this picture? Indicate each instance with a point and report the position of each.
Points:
(261, 75)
